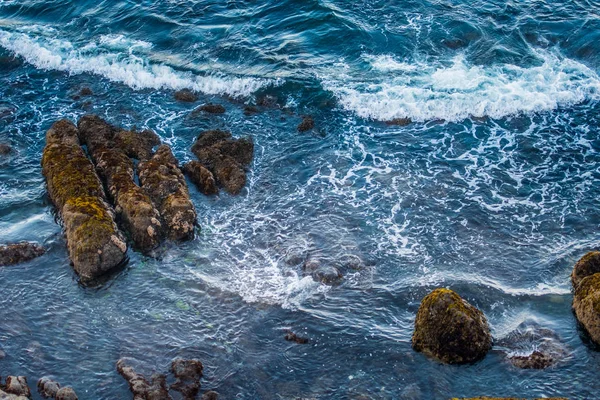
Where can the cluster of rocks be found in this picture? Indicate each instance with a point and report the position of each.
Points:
(187, 374)
(16, 388)
(156, 209)
(222, 161)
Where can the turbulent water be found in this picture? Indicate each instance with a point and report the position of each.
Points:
(492, 190)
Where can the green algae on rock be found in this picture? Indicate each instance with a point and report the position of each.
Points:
(450, 329)
(588, 265)
(94, 242)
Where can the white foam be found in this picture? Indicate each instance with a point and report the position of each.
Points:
(456, 91)
(118, 59)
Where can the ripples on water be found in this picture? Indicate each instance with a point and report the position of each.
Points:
(492, 191)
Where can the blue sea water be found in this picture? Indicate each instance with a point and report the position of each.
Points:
(492, 190)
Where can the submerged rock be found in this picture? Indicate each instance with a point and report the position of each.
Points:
(17, 385)
(399, 122)
(292, 337)
(19, 252)
(135, 210)
(66, 393)
(141, 388)
(210, 395)
(165, 184)
(5, 149)
(137, 145)
(210, 108)
(450, 329)
(188, 374)
(185, 95)
(201, 177)
(225, 157)
(95, 244)
(320, 272)
(307, 124)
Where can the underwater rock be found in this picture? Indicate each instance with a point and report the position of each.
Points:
(251, 110)
(188, 374)
(19, 252)
(201, 177)
(17, 385)
(134, 208)
(450, 329)
(307, 124)
(210, 108)
(292, 337)
(210, 395)
(185, 95)
(86, 91)
(140, 387)
(268, 101)
(327, 274)
(165, 185)
(47, 387)
(352, 262)
(94, 242)
(137, 145)
(225, 157)
(588, 265)
(5, 149)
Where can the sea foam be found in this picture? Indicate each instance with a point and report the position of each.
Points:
(121, 60)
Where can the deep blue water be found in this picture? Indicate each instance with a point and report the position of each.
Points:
(491, 191)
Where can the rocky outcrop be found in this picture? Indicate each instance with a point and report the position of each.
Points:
(586, 302)
(51, 389)
(201, 177)
(225, 157)
(210, 108)
(185, 95)
(507, 398)
(135, 210)
(450, 329)
(307, 124)
(210, 395)
(94, 242)
(161, 178)
(292, 337)
(187, 374)
(17, 253)
(142, 389)
(322, 272)
(137, 145)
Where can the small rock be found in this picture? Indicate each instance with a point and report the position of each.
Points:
(19, 252)
(47, 387)
(188, 374)
(211, 108)
(251, 110)
(86, 91)
(185, 95)
(17, 385)
(201, 177)
(586, 302)
(536, 360)
(268, 101)
(140, 387)
(350, 261)
(399, 122)
(292, 337)
(588, 265)
(137, 145)
(450, 329)
(5, 149)
(66, 393)
(307, 124)
(326, 274)
(210, 395)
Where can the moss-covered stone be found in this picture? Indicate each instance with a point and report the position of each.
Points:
(450, 329)
(137, 145)
(588, 265)
(201, 177)
(19, 252)
(586, 304)
(165, 185)
(94, 242)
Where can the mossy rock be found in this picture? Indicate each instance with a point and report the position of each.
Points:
(16, 253)
(588, 265)
(586, 304)
(450, 329)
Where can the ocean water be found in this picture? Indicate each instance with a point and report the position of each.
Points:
(492, 190)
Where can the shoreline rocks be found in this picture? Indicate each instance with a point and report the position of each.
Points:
(51, 389)
(95, 244)
(450, 329)
(142, 389)
(16, 253)
(586, 302)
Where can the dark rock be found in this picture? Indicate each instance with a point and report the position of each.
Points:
(327, 274)
(536, 360)
(201, 177)
(586, 302)
(66, 393)
(95, 244)
(307, 124)
(137, 145)
(268, 101)
(210, 108)
(135, 209)
(241, 150)
(399, 122)
(185, 95)
(588, 265)
(47, 387)
(140, 387)
(86, 91)
(450, 329)
(292, 337)
(251, 110)
(165, 184)
(210, 395)
(5, 149)
(188, 374)
(19, 252)
(17, 385)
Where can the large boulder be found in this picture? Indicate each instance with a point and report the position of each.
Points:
(188, 374)
(450, 329)
(17, 385)
(201, 177)
(586, 304)
(19, 252)
(95, 244)
(165, 184)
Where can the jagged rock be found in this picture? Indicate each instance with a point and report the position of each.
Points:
(66, 393)
(201, 177)
(225, 157)
(140, 387)
(536, 360)
(307, 124)
(588, 265)
(320, 272)
(135, 209)
(210, 395)
(165, 184)
(292, 337)
(17, 385)
(5, 149)
(352, 262)
(188, 374)
(95, 244)
(450, 329)
(210, 108)
(19, 252)
(47, 387)
(137, 145)
(186, 96)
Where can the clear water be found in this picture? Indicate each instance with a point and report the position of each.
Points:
(492, 191)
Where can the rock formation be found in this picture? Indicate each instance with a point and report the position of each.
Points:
(19, 252)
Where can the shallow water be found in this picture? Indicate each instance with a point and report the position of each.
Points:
(492, 191)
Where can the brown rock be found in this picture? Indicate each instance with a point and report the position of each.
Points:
(400, 122)
(86, 91)
(307, 124)
(5, 149)
(137, 145)
(186, 96)
(17, 385)
(66, 393)
(47, 387)
(210, 108)
(201, 177)
(251, 110)
(188, 374)
(536, 360)
(19, 252)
